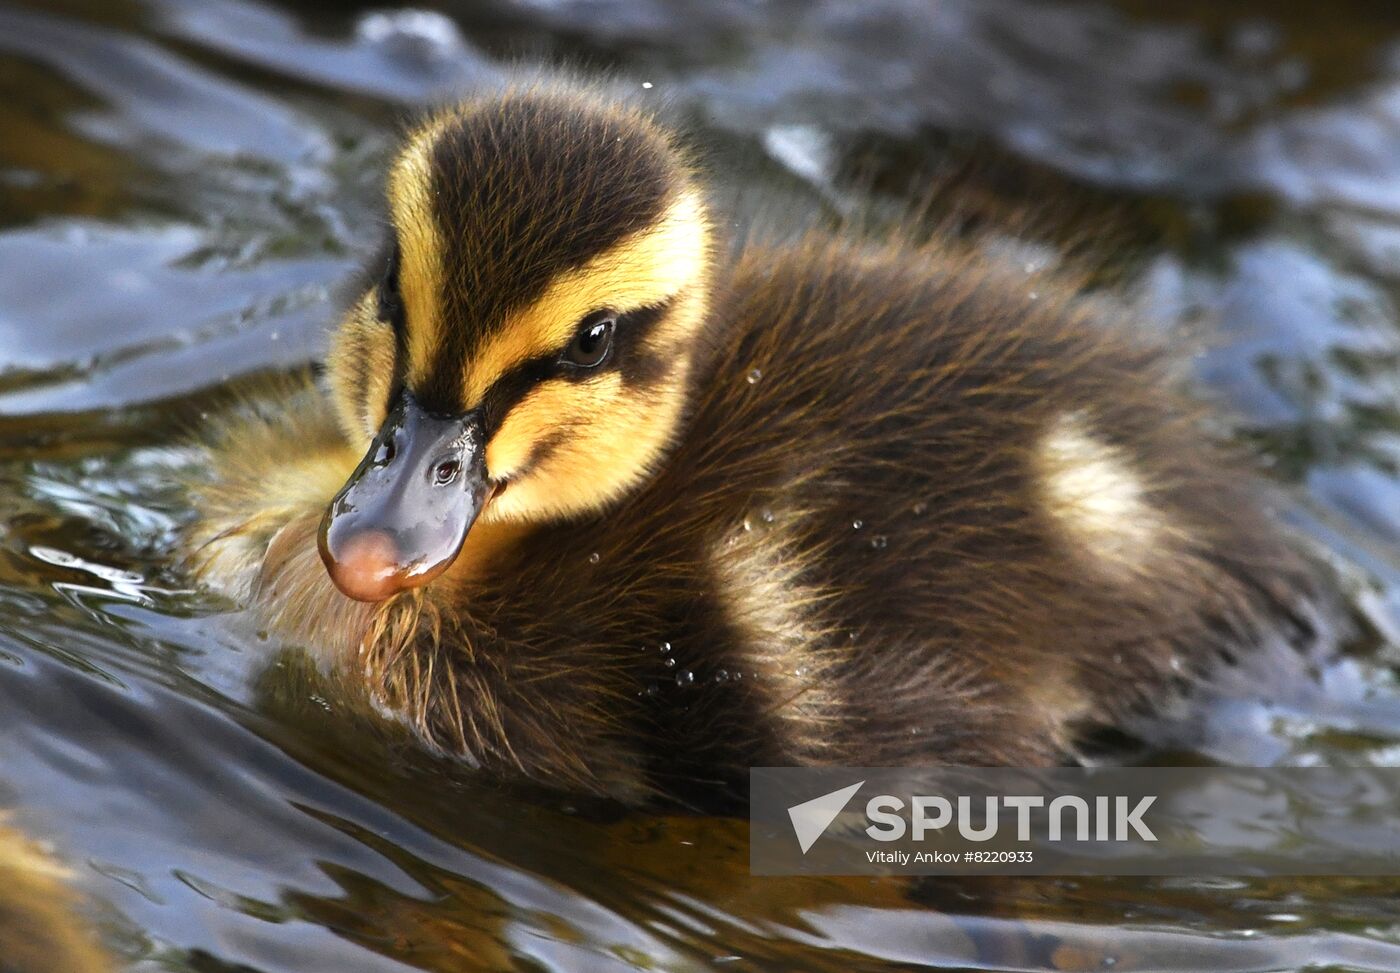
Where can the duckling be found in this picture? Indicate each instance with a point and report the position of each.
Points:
(39, 930)
(592, 498)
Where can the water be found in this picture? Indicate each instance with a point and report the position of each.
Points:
(183, 186)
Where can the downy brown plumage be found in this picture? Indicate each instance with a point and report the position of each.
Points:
(621, 513)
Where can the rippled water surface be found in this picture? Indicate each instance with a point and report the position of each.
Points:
(182, 187)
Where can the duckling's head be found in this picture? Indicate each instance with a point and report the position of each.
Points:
(524, 350)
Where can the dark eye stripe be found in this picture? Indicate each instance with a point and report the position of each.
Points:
(629, 357)
(507, 391)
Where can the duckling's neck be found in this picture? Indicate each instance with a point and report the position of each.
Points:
(488, 543)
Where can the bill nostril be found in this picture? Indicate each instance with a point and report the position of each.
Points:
(384, 455)
(446, 471)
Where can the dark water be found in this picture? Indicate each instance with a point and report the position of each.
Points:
(182, 185)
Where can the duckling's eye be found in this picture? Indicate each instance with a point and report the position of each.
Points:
(593, 341)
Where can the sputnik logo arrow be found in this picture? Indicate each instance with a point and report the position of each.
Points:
(810, 819)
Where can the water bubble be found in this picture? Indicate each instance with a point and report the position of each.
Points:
(646, 84)
(767, 516)
(721, 676)
(594, 558)
(665, 647)
(653, 689)
(920, 509)
(668, 662)
(685, 678)
(1035, 295)
(409, 30)
(879, 542)
(748, 525)
(857, 524)
(754, 376)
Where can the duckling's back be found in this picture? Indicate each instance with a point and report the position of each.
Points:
(924, 509)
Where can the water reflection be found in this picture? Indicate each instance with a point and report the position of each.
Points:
(182, 187)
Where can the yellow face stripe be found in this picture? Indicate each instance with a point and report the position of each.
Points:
(605, 434)
(361, 367)
(421, 273)
(613, 448)
(642, 270)
(549, 408)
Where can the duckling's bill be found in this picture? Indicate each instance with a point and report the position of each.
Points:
(402, 517)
